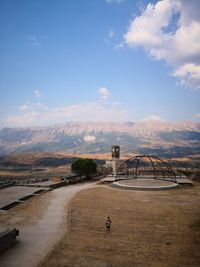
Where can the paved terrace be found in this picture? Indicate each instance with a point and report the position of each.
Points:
(145, 184)
(15, 193)
(47, 184)
(180, 180)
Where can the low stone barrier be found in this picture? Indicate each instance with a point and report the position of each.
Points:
(8, 238)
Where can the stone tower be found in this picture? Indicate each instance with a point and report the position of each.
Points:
(115, 150)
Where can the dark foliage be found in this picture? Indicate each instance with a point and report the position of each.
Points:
(84, 167)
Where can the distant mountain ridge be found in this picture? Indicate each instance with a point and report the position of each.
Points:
(93, 137)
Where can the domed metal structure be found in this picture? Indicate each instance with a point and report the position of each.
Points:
(145, 166)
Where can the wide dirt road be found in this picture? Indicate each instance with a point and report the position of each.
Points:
(36, 240)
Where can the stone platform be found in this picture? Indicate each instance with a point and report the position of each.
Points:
(145, 184)
(14, 195)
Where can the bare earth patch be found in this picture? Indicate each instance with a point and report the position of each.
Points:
(158, 229)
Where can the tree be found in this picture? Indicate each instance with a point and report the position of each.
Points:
(84, 167)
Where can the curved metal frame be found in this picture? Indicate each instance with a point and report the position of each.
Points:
(133, 165)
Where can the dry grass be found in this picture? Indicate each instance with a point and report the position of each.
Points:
(158, 229)
(47, 172)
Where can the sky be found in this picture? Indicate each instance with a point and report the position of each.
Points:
(99, 60)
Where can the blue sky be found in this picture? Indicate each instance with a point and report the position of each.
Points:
(98, 60)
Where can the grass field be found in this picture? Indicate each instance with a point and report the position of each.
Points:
(157, 228)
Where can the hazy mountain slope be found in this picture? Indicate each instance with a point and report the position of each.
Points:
(142, 137)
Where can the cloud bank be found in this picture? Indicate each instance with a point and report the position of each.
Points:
(152, 118)
(170, 30)
(30, 113)
(91, 111)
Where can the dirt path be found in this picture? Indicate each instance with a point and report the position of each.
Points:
(36, 240)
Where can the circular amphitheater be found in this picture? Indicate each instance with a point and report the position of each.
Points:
(145, 172)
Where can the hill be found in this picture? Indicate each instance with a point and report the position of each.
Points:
(152, 137)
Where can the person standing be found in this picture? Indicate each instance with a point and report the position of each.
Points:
(108, 223)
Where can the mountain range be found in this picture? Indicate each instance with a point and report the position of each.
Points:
(146, 137)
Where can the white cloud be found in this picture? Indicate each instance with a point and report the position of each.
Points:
(21, 120)
(104, 93)
(118, 46)
(34, 40)
(32, 106)
(170, 30)
(109, 37)
(23, 107)
(114, 1)
(189, 74)
(29, 115)
(111, 34)
(37, 93)
(197, 115)
(152, 118)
